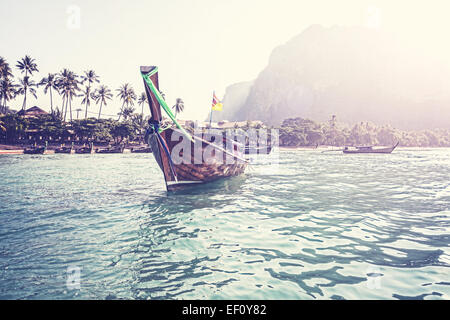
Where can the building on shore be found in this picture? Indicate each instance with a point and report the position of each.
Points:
(33, 112)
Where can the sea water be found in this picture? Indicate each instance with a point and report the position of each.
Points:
(314, 226)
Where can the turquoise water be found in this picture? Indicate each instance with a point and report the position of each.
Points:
(318, 226)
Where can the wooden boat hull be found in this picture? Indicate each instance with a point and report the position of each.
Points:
(65, 150)
(188, 174)
(142, 150)
(180, 174)
(38, 150)
(110, 150)
(84, 151)
(370, 150)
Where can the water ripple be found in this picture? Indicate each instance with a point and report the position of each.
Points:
(319, 226)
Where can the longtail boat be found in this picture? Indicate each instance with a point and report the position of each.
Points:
(370, 149)
(115, 149)
(258, 149)
(36, 150)
(164, 143)
(141, 150)
(64, 149)
(83, 150)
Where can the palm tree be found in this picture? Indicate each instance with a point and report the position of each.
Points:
(127, 95)
(141, 101)
(89, 77)
(5, 69)
(50, 82)
(101, 95)
(87, 95)
(179, 106)
(127, 112)
(26, 85)
(7, 92)
(26, 65)
(68, 86)
(61, 81)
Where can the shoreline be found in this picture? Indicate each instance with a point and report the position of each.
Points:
(18, 149)
(15, 149)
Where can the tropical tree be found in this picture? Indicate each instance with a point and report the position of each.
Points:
(7, 92)
(123, 130)
(141, 101)
(50, 82)
(179, 106)
(87, 95)
(15, 127)
(5, 69)
(101, 95)
(27, 65)
(89, 77)
(68, 88)
(26, 85)
(127, 112)
(127, 95)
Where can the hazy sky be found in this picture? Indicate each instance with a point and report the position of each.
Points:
(198, 45)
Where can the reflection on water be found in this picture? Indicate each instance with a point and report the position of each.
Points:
(321, 227)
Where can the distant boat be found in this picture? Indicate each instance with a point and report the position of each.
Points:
(258, 150)
(36, 150)
(84, 150)
(370, 149)
(68, 150)
(195, 171)
(141, 150)
(115, 149)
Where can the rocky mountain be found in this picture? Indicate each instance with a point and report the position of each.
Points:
(234, 100)
(356, 73)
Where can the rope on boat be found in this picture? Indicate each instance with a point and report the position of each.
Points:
(162, 102)
(155, 129)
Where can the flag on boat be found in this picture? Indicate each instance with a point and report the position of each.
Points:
(216, 104)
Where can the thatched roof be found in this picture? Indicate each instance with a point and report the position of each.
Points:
(32, 112)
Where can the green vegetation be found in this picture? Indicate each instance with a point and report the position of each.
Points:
(22, 130)
(59, 126)
(179, 106)
(27, 65)
(300, 132)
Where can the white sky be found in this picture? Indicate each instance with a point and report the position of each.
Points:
(198, 45)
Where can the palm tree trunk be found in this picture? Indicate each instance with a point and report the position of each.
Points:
(121, 110)
(100, 111)
(24, 99)
(51, 101)
(64, 111)
(70, 105)
(85, 113)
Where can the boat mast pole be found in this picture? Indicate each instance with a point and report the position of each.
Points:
(210, 119)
